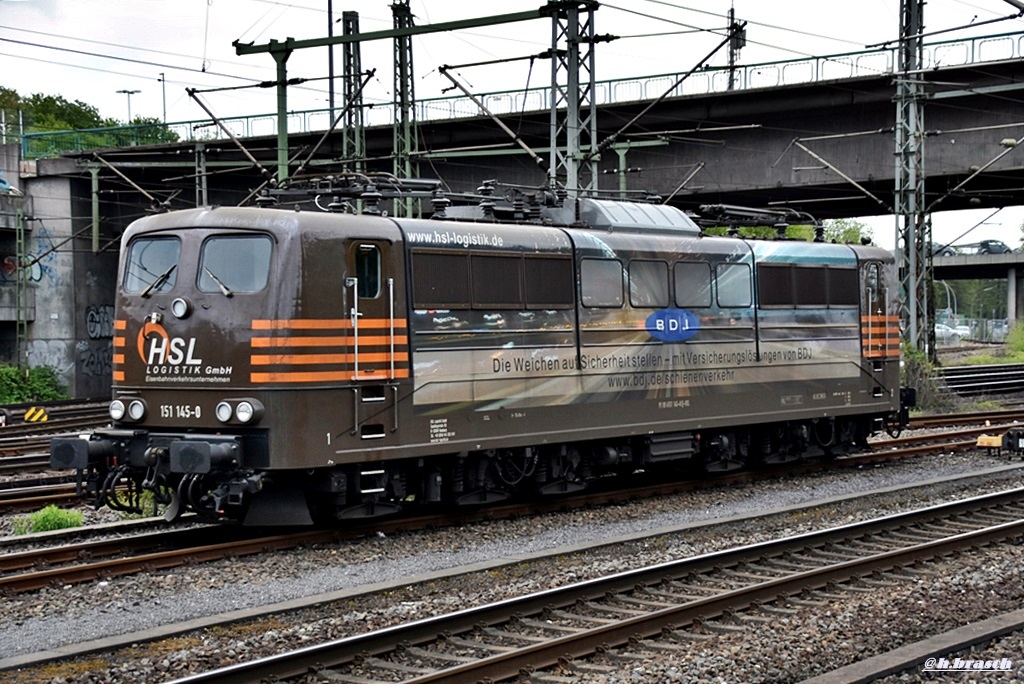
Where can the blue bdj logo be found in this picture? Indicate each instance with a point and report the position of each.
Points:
(673, 325)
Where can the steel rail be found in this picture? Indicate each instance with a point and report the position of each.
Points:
(967, 418)
(218, 541)
(24, 462)
(914, 545)
(990, 379)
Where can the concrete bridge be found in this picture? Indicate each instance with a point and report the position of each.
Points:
(813, 134)
(986, 267)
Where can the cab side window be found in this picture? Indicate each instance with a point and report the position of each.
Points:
(368, 271)
(874, 292)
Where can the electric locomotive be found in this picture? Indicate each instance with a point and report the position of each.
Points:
(283, 366)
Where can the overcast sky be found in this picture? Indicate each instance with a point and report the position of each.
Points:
(89, 49)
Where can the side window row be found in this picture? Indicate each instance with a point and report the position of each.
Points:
(446, 280)
(601, 284)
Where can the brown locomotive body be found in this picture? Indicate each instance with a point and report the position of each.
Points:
(279, 367)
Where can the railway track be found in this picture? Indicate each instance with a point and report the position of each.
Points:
(989, 379)
(35, 438)
(34, 497)
(663, 606)
(999, 417)
(84, 561)
(966, 640)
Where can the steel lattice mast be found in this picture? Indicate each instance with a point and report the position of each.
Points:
(353, 142)
(573, 19)
(573, 111)
(913, 224)
(406, 139)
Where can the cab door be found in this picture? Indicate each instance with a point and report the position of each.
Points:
(377, 351)
(880, 331)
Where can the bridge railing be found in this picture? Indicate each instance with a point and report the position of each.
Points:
(875, 62)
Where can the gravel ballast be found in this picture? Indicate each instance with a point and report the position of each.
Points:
(72, 614)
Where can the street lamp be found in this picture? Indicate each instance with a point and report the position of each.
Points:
(163, 87)
(950, 297)
(129, 93)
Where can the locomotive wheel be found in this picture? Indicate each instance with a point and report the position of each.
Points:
(724, 453)
(824, 432)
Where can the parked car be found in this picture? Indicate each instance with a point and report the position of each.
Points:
(964, 331)
(984, 247)
(946, 336)
(944, 250)
(993, 247)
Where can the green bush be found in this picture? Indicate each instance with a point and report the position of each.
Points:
(1015, 340)
(932, 393)
(20, 385)
(47, 519)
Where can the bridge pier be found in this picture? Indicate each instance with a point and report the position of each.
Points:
(1014, 295)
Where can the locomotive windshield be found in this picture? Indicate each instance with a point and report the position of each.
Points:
(151, 263)
(235, 263)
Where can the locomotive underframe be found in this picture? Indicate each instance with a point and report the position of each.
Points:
(209, 474)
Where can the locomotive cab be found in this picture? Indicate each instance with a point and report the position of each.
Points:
(229, 321)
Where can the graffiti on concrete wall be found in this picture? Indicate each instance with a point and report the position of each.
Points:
(94, 360)
(39, 270)
(52, 353)
(99, 322)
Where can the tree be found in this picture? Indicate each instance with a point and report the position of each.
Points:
(54, 113)
(846, 231)
(45, 113)
(843, 231)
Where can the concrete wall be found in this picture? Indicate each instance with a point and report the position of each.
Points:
(10, 155)
(12, 204)
(73, 288)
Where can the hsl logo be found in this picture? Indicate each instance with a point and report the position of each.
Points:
(157, 348)
(673, 325)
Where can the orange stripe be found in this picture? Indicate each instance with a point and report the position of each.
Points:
(120, 324)
(264, 342)
(302, 324)
(119, 342)
(879, 319)
(324, 324)
(325, 376)
(380, 339)
(328, 341)
(118, 359)
(269, 360)
(118, 376)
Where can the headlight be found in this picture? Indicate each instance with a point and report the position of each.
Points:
(116, 409)
(137, 410)
(223, 411)
(239, 411)
(244, 411)
(181, 307)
